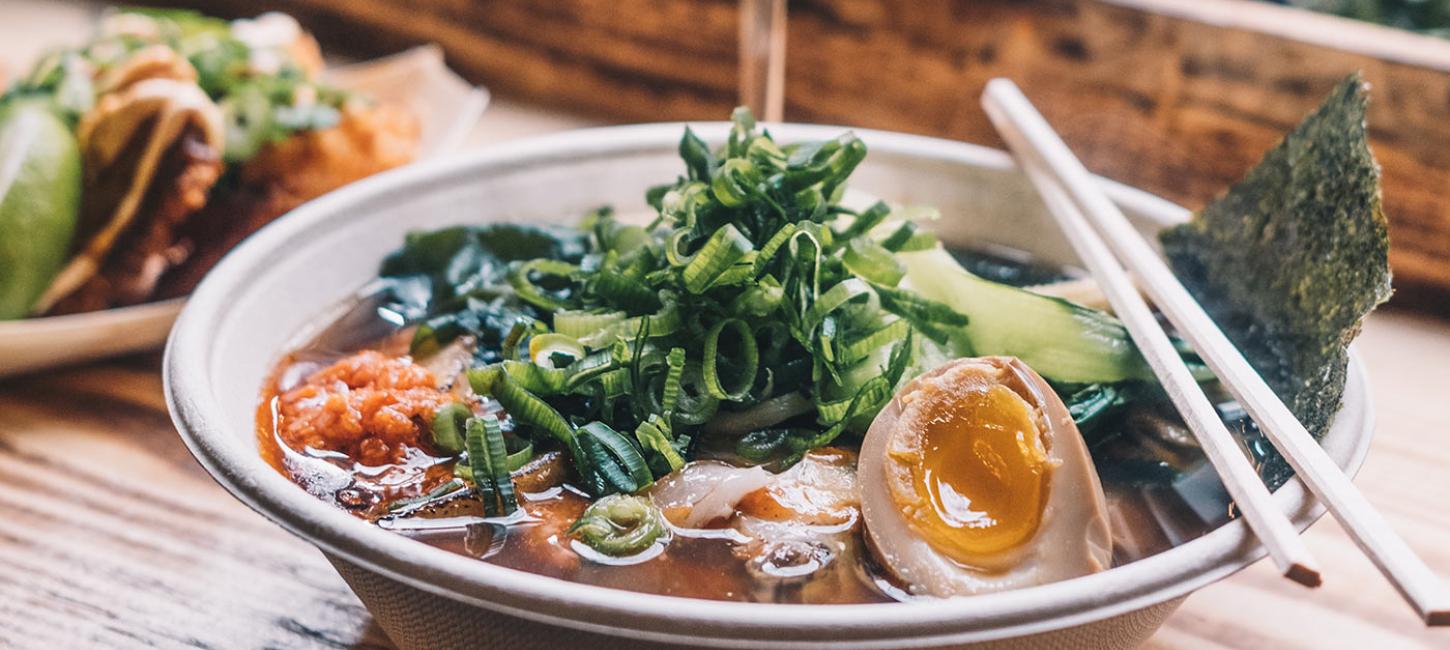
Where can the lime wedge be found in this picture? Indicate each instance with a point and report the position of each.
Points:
(40, 192)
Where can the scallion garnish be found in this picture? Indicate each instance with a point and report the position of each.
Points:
(488, 464)
(754, 297)
(620, 525)
(448, 427)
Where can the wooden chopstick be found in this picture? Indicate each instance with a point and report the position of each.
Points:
(1010, 113)
(1051, 158)
(762, 57)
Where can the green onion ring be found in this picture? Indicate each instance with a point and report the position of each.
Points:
(620, 525)
(449, 427)
(751, 361)
(844, 292)
(724, 248)
(531, 293)
(731, 185)
(695, 406)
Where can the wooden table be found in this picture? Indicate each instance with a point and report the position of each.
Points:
(112, 536)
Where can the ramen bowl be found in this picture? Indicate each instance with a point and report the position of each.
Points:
(277, 289)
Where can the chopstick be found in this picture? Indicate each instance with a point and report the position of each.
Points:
(1012, 114)
(762, 57)
(1052, 163)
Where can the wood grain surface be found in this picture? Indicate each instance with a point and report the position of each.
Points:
(112, 536)
(1179, 97)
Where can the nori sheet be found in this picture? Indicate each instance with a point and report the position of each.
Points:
(1291, 259)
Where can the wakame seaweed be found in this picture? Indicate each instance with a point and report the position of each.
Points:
(454, 281)
(1311, 211)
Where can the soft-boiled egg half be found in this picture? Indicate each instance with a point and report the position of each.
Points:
(975, 479)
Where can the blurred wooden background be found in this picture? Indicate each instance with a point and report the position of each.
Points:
(1177, 97)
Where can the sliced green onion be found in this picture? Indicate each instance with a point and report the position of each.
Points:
(535, 378)
(613, 236)
(869, 398)
(696, 405)
(732, 183)
(761, 445)
(919, 242)
(760, 300)
(608, 461)
(482, 380)
(741, 132)
(511, 340)
(675, 248)
(579, 324)
(615, 383)
(678, 205)
(860, 348)
(872, 217)
(798, 253)
(739, 273)
(873, 262)
(589, 368)
(766, 152)
(749, 360)
(626, 292)
(623, 450)
(830, 329)
(449, 427)
(534, 294)
(899, 237)
(620, 525)
(517, 459)
(724, 248)
(917, 309)
(498, 459)
(833, 412)
(810, 203)
(873, 395)
(544, 347)
(662, 323)
(525, 407)
(768, 413)
(772, 246)
(670, 397)
(696, 154)
(598, 471)
(654, 437)
(844, 292)
(488, 462)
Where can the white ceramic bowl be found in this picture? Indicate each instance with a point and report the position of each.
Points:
(285, 281)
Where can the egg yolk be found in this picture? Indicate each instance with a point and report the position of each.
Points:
(983, 474)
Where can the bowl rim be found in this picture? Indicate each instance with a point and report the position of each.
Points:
(195, 411)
